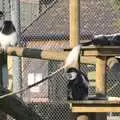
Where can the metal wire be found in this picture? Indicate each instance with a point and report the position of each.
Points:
(96, 17)
(30, 86)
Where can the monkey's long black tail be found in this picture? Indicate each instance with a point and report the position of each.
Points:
(15, 107)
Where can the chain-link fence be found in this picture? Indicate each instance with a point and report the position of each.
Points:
(45, 25)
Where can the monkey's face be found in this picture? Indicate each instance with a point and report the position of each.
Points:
(71, 74)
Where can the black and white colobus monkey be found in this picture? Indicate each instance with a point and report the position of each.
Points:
(8, 37)
(77, 87)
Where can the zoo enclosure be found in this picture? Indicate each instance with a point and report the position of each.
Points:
(32, 35)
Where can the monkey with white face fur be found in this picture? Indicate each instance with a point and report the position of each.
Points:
(77, 87)
(8, 37)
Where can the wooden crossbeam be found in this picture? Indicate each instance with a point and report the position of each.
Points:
(85, 51)
(45, 54)
(96, 106)
(86, 54)
(101, 51)
(95, 109)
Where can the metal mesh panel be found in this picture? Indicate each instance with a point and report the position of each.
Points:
(45, 25)
(98, 17)
(53, 111)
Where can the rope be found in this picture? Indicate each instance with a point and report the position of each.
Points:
(30, 86)
(75, 50)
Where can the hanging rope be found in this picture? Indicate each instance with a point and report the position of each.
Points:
(30, 86)
(69, 61)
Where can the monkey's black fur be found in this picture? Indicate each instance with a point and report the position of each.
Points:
(77, 88)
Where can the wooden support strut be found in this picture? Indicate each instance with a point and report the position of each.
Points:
(100, 75)
(100, 82)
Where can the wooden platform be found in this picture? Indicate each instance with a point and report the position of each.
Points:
(100, 50)
(95, 106)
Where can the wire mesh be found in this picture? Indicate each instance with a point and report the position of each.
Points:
(45, 25)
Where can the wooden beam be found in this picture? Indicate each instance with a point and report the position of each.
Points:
(101, 50)
(46, 54)
(95, 106)
(86, 51)
(74, 14)
(56, 55)
(95, 109)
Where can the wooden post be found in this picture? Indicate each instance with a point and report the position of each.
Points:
(74, 25)
(100, 75)
(75, 35)
(74, 22)
(100, 82)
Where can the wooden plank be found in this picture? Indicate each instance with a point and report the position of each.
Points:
(116, 102)
(101, 51)
(93, 47)
(95, 109)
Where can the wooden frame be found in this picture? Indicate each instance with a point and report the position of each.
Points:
(100, 59)
(95, 106)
